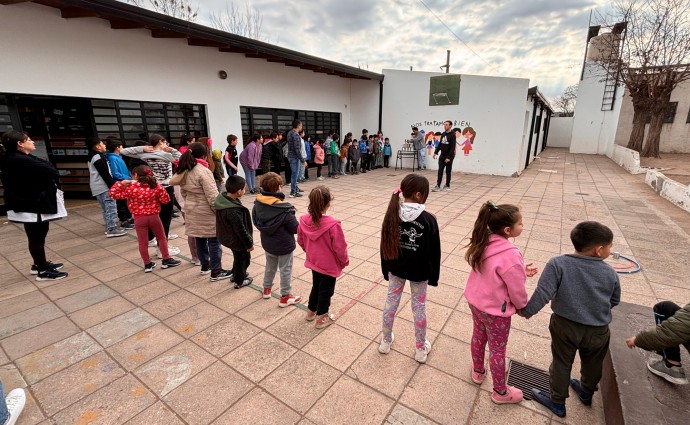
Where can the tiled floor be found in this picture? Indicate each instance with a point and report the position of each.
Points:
(113, 345)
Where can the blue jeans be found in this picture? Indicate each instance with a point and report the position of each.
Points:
(250, 176)
(421, 158)
(109, 209)
(294, 167)
(4, 414)
(209, 250)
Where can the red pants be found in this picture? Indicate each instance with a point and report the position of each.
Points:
(142, 224)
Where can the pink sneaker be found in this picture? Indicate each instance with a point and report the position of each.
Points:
(512, 395)
(477, 377)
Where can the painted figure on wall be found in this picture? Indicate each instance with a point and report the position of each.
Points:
(429, 141)
(469, 134)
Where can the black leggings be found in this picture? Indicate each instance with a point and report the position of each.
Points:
(166, 212)
(448, 168)
(36, 234)
(322, 290)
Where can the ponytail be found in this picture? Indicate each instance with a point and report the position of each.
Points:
(390, 231)
(319, 198)
(188, 159)
(145, 176)
(494, 219)
(413, 186)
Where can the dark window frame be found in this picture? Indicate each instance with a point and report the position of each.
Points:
(669, 114)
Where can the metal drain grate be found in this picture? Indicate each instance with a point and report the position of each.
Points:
(526, 377)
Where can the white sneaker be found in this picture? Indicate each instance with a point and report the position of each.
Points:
(172, 250)
(436, 189)
(422, 353)
(153, 242)
(319, 178)
(385, 347)
(172, 236)
(15, 400)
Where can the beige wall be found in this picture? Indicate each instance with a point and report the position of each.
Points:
(675, 137)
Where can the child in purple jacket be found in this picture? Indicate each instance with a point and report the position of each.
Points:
(321, 237)
(250, 159)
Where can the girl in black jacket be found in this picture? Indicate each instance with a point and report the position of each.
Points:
(30, 185)
(410, 250)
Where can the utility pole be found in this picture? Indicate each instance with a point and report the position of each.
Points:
(447, 65)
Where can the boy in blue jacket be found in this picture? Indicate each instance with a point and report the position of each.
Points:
(119, 171)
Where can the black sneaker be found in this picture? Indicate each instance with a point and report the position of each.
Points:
(247, 281)
(220, 274)
(148, 268)
(205, 269)
(127, 225)
(300, 190)
(51, 274)
(50, 265)
(543, 398)
(170, 262)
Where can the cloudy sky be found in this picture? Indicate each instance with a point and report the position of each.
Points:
(542, 40)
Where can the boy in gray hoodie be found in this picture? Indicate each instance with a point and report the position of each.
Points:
(277, 224)
(575, 325)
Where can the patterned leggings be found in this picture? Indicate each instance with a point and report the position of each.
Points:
(496, 330)
(395, 289)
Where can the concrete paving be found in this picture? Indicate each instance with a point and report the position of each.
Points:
(112, 345)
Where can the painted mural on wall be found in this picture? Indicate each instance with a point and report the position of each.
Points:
(430, 128)
(444, 90)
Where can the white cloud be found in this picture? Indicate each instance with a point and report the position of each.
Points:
(542, 40)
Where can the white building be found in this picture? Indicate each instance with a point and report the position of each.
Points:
(102, 67)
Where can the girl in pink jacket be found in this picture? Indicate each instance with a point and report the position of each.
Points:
(321, 237)
(495, 290)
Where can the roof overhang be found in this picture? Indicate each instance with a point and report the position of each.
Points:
(124, 16)
(534, 93)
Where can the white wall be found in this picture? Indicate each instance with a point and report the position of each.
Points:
(493, 106)
(594, 130)
(560, 132)
(86, 58)
(364, 107)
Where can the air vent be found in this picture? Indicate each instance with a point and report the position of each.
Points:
(526, 377)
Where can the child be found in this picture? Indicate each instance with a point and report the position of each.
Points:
(234, 228)
(100, 181)
(321, 237)
(363, 153)
(250, 159)
(353, 157)
(387, 150)
(334, 159)
(277, 224)
(495, 290)
(144, 198)
(319, 158)
(410, 250)
(343, 157)
(308, 155)
(575, 325)
(199, 191)
(230, 158)
(119, 172)
(218, 174)
(673, 329)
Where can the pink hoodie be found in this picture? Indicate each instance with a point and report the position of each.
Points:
(325, 245)
(501, 280)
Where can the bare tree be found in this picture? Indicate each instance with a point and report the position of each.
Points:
(247, 23)
(654, 58)
(182, 9)
(565, 103)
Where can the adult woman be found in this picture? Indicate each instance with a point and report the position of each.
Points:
(31, 191)
(159, 157)
(199, 191)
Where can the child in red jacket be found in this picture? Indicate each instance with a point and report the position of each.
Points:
(321, 237)
(144, 198)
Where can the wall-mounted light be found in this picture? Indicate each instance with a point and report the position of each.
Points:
(222, 74)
